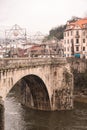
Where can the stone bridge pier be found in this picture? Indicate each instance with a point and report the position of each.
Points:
(44, 85)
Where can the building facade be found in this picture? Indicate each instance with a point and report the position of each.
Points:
(75, 39)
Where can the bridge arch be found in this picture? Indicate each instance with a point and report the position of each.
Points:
(35, 93)
(32, 92)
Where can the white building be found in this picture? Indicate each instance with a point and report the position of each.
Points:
(75, 39)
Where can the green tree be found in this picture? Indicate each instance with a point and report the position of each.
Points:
(57, 32)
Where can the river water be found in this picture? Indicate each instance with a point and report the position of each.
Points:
(18, 117)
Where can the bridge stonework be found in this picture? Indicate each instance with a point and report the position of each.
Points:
(46, 85)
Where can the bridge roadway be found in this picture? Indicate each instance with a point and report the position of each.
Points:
(44, 83)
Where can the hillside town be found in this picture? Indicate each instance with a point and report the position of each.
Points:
(17, 43)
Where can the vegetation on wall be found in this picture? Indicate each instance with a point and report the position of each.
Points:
(80, 79)
(67, 77)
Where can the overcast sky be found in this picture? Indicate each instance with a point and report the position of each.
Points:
(40, 15)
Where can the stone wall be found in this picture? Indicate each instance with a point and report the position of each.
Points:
(78, 64)
(79, 70)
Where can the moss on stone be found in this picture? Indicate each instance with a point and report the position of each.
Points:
(67, 77)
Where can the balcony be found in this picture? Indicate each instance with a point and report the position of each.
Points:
(77, 36)
(77, 44)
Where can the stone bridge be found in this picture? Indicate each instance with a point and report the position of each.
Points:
(44, 84)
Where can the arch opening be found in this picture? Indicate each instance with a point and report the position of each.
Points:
(34, 93)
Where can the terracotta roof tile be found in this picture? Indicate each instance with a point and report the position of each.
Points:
(36, 48)
(80, 22)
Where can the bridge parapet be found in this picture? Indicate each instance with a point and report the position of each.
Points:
(6, 63)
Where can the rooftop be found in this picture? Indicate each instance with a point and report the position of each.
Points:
(82, 23)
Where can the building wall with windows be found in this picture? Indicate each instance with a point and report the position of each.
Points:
(75, 39)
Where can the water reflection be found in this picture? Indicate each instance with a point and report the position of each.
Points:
(18, 117)
(48, 120)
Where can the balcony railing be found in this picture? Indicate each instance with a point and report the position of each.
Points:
(77, 36)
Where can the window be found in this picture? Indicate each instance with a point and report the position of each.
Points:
(67, 48)
(64, 55)
(72, 41)
(67, 41)
(84, 33)
(83, 48)
(67, 33)
(77, 40)
(71, 33)
(77, 48)
(77, 32)
(83, 40)
(85, 25)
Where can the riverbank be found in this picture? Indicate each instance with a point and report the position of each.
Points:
(80, 95)
(80, 98)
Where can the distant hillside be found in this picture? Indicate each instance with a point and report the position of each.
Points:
(57, 32)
